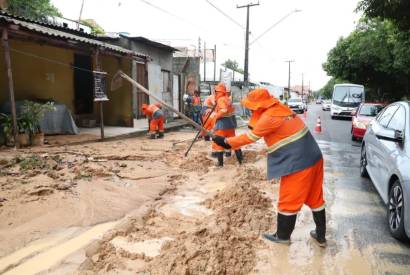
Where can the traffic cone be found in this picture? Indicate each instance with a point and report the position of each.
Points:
(318, 127)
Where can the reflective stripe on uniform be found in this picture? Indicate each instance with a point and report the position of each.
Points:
(319, 208)
(252, 136)
(298, 135)
(287, 213)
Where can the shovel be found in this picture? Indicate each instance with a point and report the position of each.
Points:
(116, 83)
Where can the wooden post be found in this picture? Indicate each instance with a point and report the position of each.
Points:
(7, 59)
(98, 67)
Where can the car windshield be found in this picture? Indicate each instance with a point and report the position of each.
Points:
(348, 96)
(370, 110)
(295, 100)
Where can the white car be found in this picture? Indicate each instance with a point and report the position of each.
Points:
(326, 105)
(385, 157)
(297, 105)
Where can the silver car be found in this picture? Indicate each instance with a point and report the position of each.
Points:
(385, 157)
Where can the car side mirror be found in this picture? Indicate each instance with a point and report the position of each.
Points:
(390, 135)
(399, 136)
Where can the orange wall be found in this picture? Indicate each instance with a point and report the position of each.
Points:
(35, 78)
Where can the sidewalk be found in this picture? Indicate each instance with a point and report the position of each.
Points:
(111, 132)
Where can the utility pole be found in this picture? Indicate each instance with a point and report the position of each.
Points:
(288, 95)
(81, 13)
(204, 61)
(214, 63)
(246, 65)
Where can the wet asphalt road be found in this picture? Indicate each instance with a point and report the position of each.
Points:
(357, 215)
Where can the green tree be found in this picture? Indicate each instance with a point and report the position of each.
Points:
(398, 11)
(33, 9)
(95, 28)
(231, 64)
(327, 90)
(375, 54)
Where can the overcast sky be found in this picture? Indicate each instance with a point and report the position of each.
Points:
(305, 37)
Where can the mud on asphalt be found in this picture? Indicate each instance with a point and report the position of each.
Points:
(210, 222)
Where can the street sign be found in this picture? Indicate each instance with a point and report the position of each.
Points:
(100, 86)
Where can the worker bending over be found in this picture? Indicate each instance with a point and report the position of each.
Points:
(225, 124)
(156, 119)
(208, 116)
(293, 156)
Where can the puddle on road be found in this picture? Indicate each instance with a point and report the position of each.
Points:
(48, 252)
(150, 248)
(189, 204)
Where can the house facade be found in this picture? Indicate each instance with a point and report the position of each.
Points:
(53, 62)
(159, 77)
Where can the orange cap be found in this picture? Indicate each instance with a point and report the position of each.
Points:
(259, 99)
(220, 88)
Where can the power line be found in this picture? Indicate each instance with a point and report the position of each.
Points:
(225, 14)
(52, 61)
(171, 14)
(274, 25)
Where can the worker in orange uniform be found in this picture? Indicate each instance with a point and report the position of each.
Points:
(196, 106)
(156, 119)
(293, 156)
(208, 116)
(225, 123)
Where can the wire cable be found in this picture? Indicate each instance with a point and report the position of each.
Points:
(226, 15)
(274, 25)
(54, 61)
(171, 14)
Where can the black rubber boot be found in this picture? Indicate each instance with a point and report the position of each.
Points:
(160, 134)
(220, 156)
(207, 138)
(319, 235)
(285, 227)
(152, 136)
(239, 155)
(228, 154)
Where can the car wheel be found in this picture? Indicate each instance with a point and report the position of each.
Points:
(395, 211)
(363, 162)
(333, 117)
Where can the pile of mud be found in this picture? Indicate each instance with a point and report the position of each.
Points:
(243, 206)
(209, 250)
(250, 174)
(197, 162)
(225, 243)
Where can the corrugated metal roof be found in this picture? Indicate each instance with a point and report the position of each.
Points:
(50, 30)
(141, 39)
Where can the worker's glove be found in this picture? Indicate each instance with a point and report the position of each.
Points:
(221, 141)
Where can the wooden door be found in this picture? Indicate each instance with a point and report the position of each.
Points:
(142, 78)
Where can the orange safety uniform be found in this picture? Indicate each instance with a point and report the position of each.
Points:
(208, 123)
(225, 121)
(156, 117)
(293, 154)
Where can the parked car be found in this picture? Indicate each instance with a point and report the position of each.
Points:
(326, 105)
(385, 157)
(319, 101)
(297, 105)
(362, 117)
